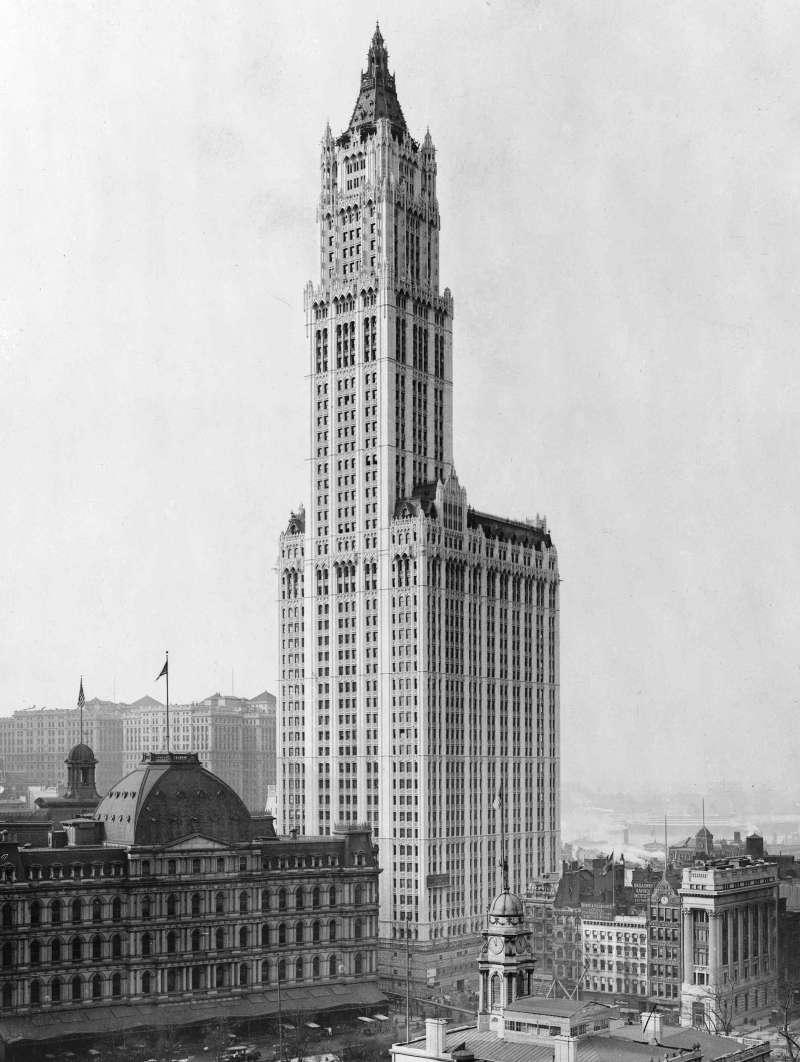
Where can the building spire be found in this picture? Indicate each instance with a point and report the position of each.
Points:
(377, 97)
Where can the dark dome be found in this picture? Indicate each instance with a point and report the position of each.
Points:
(506, 907)
(80, 754)
(170, 796)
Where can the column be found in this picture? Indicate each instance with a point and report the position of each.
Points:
(714, 948)
(688, 945)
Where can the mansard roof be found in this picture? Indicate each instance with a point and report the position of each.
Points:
(377, 97)
(532, 535)
(170, 796)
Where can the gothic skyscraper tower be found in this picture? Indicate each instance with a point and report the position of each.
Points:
(419, 637)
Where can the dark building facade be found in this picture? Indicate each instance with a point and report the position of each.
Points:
(172, 893)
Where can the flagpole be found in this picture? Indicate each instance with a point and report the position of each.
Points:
(167, 667)
(80, 706)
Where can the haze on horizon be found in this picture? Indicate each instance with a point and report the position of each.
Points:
(618, 189)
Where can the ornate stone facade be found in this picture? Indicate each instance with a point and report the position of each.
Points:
(419, 637)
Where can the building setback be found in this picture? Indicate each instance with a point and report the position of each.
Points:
(419, 637)
(172, 894)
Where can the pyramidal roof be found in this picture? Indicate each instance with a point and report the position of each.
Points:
(377, 97)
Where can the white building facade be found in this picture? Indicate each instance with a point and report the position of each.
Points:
(419, 637)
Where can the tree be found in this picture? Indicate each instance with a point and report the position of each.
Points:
(720, 1012)
(791, 1043)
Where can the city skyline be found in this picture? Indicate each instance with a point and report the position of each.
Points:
(628, 189)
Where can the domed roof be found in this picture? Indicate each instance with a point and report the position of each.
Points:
(506, 908)
(170, 796)
(80, 754)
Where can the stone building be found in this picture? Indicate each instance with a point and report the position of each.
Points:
(170, 894)
(665, 944)
(730, 912)
(234, 735)
(419, 636)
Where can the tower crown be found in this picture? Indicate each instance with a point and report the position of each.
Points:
(377, 97)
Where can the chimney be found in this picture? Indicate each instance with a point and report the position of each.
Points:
(651, 1026)
(434, 1037)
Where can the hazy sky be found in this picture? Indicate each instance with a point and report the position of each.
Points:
(618, 184)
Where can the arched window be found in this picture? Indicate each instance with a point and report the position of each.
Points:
(197, 977)
(357, 929)
(282, 899)
(244, 937)
(77, 990)
(219, 938)
(55, 950)
(315, 897)
(145, 983)
(172, 981)
(315, 933)
(8, 997)
(332, 929)
(332, 966)
(358, 894)
(171, 904)
(172, 867)
(76, 949)
(36, 953)
(332, 896)
(97, 947)
(282, 933)
(265, 936)
(8, 954)
(195, 905)
(298, 933)
(146, 908)
(55, 912)
(359, 964)
(219, 903)
(97, 910)
(195, 940)
(36, 992)
(281, 969)
(299, 898)
(315, 968)
(77, 910)
(8, 916)
(243, 972)
(116, 986)
(147, 944)
(264, 900)
(494, 991)
(116, 946)
(36, 913)
(298, 970)
(116, 909)
(265, 972)
(55, 990)
(171, 942)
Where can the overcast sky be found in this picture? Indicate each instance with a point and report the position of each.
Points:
(618, 184)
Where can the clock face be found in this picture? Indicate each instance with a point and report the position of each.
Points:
(495, 945)
(663, 900)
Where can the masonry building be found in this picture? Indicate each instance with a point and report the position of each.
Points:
(170, 894)
(419, 636)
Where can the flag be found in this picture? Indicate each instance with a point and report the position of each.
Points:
(497, 803)
(609, 864)
(164, 670)
(81, 698)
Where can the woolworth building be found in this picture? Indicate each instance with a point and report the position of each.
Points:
(419, 636)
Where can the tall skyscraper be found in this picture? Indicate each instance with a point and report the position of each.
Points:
(419, 637)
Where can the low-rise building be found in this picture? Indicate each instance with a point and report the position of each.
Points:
(615, 955)
(730, 911)
(665, 939)
(170, 894)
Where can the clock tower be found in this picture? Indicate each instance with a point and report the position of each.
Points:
(505, 963)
